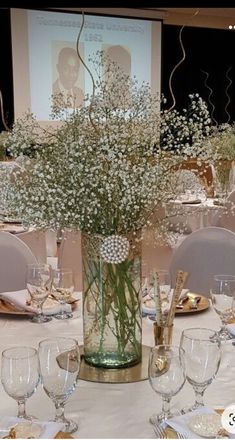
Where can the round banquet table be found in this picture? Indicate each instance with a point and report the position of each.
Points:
(106, 410)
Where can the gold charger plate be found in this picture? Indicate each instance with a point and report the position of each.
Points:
(62, 434)
(203, 304)
(8, 308)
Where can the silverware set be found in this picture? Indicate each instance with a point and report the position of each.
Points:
(161, 432)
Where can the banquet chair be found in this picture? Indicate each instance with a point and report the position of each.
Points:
(14, 257)
(36, 241)
(204, 253)
(70, 256)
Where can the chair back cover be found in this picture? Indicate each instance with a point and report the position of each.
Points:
(14, 257)
(204, 253)
(36, 241)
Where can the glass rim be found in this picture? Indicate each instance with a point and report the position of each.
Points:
(58, 338)
(221, 277)
(39, 265)
(209, 330)
(62, 270)
(9, 349)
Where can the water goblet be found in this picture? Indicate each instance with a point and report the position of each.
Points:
(166, 376)
(222, 294)
(201, 355)
(20, 375)
(60, 363)
(62, 289)
(38, 281)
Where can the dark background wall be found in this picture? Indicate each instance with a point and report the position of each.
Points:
(211, 50)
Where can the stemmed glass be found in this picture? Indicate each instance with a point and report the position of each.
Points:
(20, 375)
(222, 294)
(60, 364)
(62, 289)
(201, 355)
(38, 281)
(166, 376)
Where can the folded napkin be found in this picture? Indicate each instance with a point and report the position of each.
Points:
(148, 302)
(180, 423)
(19, 298)
(48, 429)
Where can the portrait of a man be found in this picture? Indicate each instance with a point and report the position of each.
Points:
(68, 69)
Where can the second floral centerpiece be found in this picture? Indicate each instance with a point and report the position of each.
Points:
(102, 171)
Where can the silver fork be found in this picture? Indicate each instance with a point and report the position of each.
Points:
(160, 432)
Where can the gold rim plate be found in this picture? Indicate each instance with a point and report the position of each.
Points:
(203, 304)
(10, 309)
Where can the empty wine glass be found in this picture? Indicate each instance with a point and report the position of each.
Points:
(201, 354)
(38, 281)
(166, 376)
(62, 289)
(60, 364)
(222, 293)
(20, 375)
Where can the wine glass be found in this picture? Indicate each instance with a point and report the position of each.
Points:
(222, 293)
(60, 363)
(166, 376)
(201, 354)
(20, 375)
(38, 281)
(62, 289)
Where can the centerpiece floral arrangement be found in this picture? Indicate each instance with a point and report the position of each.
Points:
(221, 146)
(105, 170)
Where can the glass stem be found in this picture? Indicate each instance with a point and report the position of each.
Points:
(39, 309)
(199, 393)
(166, 406)
(21, 409)
(59, 413)
(62, 310)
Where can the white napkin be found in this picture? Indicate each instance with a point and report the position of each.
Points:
(179, 423)
(19, 298)
(231, 328)
(49, 429)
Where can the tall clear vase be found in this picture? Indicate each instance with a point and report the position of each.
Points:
(222, 182)
(112, 322)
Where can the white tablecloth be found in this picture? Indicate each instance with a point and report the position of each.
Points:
(194, 216)
(114, 410)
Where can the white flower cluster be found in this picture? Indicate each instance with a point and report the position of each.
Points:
(105, 169)
(221, 143)
(114, 249)
(185, 132)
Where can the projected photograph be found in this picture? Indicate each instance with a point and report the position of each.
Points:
(67, 75)
(120, 55)
(53, 67)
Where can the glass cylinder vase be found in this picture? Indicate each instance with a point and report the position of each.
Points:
(223, 169)
(112, 324)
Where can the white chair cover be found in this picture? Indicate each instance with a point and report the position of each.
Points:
(36, 241)
(70, 256)
(14, 257)
(204, 253)
(51, 243)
